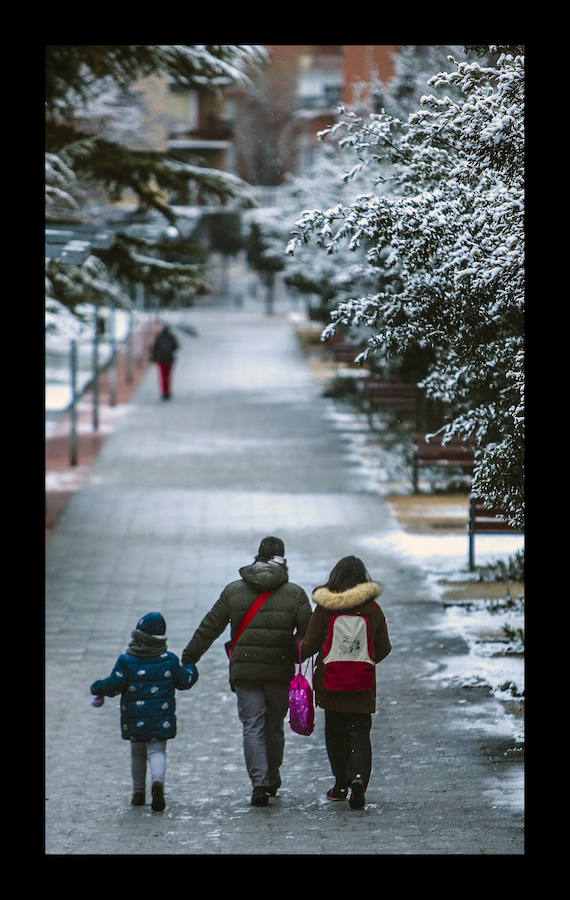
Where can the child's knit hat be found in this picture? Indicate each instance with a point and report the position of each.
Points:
(152, 623)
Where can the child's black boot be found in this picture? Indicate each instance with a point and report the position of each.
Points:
(158, 803)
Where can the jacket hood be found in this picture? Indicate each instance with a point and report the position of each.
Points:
(355, 596)
(267, 574)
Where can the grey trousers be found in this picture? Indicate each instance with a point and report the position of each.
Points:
(155, 753)
(262, 709)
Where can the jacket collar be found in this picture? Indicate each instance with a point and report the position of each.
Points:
(355, 596)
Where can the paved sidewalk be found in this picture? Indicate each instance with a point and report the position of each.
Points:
(176, 501)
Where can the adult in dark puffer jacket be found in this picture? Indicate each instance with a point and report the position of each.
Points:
(263, 659)
(348, 713)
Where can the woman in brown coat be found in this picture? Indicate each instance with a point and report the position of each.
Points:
(348, 631)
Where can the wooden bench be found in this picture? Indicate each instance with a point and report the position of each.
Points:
(346, 351)
(377, 393)
(485, 521)
(433, 452)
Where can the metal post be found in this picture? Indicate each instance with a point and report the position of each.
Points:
(471, 535)
(421, 420)
(130, 350)
(96, 370)
(269, 293)
(140, 302)
(73, 409)
(113, 365)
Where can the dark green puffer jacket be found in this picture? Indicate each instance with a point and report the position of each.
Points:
(266, 650)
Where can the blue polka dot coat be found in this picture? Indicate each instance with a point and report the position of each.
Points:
(148, 687)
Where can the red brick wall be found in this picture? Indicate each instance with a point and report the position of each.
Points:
(360, 60)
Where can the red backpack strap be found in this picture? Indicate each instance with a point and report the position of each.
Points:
(252, 611)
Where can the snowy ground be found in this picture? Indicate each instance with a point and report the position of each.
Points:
(491, 629)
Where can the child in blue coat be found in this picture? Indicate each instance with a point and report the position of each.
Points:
(146, 676)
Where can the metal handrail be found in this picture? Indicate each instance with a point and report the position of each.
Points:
(91, 381)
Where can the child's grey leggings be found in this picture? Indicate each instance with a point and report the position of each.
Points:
(155, 753)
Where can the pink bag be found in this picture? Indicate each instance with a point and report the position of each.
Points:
(301, 706)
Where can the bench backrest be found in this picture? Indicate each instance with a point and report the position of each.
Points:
(492, 521)
(456, 450)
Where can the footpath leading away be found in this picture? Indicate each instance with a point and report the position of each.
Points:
(174, 503)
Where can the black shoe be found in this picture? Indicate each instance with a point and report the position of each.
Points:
(357, 791)
(259, 796)
(273, 788)
(337, 793)
(138, 798)
(158, 803)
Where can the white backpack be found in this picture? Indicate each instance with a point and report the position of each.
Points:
(348, 654)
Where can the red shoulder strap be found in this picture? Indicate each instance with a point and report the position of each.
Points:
(252, 611)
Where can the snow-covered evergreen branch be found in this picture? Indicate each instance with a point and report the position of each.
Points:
(444, 213)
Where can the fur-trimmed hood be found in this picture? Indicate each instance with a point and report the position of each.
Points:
(355, 596)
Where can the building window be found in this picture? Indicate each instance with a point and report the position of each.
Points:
(317, 90)
(183, 110)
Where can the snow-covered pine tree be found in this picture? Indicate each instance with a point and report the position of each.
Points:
(92, 125)
(451, 220)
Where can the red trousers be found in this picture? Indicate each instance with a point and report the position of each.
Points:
(164, 371)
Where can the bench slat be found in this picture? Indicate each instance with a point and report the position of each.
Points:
(493, 526)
